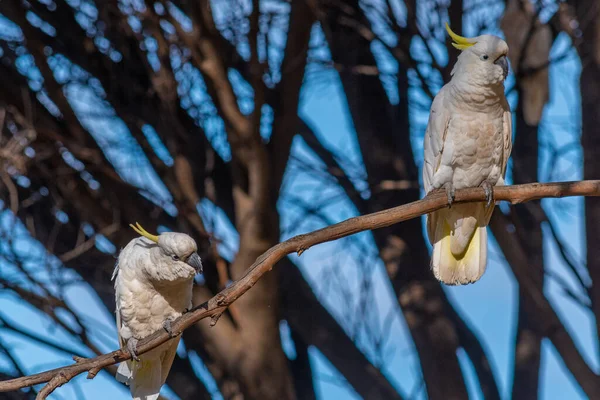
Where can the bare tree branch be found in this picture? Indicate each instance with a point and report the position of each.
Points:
(298, 244)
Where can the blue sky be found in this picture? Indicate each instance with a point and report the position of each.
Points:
(335, 272)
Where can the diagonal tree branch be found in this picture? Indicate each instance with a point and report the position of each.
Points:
(298, 244)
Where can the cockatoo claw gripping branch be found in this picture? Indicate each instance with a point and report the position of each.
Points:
(131, 347)
(488, 188)
(168, 328)
(435, 200)
(450, 193)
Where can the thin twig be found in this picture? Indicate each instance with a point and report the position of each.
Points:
(88, 244)
(298, 244)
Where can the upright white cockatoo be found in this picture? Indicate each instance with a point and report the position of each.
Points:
(153, 285)
(467, 144)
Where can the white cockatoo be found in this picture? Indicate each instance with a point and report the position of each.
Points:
(467, 144)
(153, 286)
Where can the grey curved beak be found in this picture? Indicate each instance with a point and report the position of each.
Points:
(195, 262)
(503, 62)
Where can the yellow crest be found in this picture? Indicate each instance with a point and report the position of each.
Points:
(138, 228)
(459, 42)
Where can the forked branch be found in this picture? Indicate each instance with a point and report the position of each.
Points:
(298, 244)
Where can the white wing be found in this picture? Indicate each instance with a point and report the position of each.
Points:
(507, 132)
(124, 372)
(115, 277)
(435, 136)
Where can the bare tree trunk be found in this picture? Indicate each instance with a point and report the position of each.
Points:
(302, 370)
(529, 231)
(529, 42)
(589, 52)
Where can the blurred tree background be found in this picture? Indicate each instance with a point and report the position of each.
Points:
(243, 123)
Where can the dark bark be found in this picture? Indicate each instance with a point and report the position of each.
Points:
(530, 43)
(544, 320)
(589, 52)
(529, 231)
(301, 369)
(315, 326)
(184, 382)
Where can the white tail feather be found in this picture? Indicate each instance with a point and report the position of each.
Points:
(456, 270)
(146, 382)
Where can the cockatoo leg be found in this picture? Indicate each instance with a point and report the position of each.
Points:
(450, 192)
(167, 327)
(131, 346)
(489, 192)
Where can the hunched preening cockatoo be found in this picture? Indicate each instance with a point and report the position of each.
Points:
(153, 286)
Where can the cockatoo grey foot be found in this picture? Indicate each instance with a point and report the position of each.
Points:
(450, 192)
(489, 192)
(131, 346)
(167, 327)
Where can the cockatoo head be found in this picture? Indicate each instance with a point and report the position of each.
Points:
(482, 60)
(174, 251)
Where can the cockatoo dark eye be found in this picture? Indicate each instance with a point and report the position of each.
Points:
(175, 258)
(484, 57)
